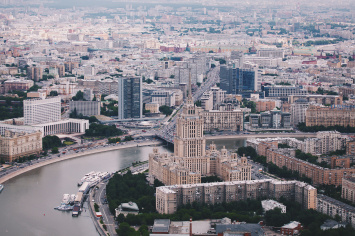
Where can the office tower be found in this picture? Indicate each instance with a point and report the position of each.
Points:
(235, 80)
(39, 111)
(130, 98)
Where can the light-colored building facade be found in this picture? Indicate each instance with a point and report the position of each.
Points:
(332, 207)
(265, 105)
(272, 204)
(163, 97)
(190, 160)
(152, 107)
(223, 120)
(169, 198)
(39, 111)
(318, 98)
(298, 111)
(317, 115)
(348, 189)
(350, 147)
(14, 145)
(17, 85)
(66, 126)
(86, 108)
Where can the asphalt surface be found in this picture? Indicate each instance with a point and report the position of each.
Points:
(107, 217)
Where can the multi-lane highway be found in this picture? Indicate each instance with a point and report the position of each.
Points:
(167, 132)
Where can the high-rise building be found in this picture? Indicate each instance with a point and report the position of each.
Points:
(39, 111)
(34, 73)
(130, 98)
(190, 160)
(298, 111)
(235, 79)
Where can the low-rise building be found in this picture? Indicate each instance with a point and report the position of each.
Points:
(291, 228)
(272, 204)
(152, 107)
(127, 208)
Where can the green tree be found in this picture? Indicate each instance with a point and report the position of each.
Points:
(165, 110)
(53, 93)
(55, 150)
(79, 96)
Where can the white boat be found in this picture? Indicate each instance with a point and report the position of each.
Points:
(94, 177)
(66, 198)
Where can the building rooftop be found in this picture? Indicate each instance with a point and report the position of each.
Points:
(336, 202)
(254, 229)
(291, 225)
(161, 226)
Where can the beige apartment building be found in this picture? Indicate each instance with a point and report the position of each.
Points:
(169, 198)
(17, 144)
(318, 174)
(223, 120)
(348, 188)
(330, 116)
(265, 105)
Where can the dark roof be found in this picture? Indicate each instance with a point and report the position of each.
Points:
(254, 229)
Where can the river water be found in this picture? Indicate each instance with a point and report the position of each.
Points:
(27, 201)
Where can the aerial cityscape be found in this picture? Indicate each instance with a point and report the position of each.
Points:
(195, 118)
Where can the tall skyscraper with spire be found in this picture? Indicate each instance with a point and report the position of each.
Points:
(190, 160)
(189, 142)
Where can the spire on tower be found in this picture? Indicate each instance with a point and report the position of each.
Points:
(190, 91)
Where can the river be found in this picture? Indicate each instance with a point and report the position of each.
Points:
(27, 201)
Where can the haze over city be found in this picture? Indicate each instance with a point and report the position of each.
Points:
(190, 118)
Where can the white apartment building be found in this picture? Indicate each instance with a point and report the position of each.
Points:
(331, 141)
(163, 97)
(67, 126)
(39, 111)
(207, 101)
(298, 111)
(272, 204)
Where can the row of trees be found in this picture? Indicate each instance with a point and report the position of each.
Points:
(310, 158)
(50, 142)
(99, 130)
(272, 168)
(342, 129)
(75, 114)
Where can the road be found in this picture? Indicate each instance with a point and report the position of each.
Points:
(99, 198)
(167, 132)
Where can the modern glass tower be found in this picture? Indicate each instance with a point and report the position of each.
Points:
(130, 98)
